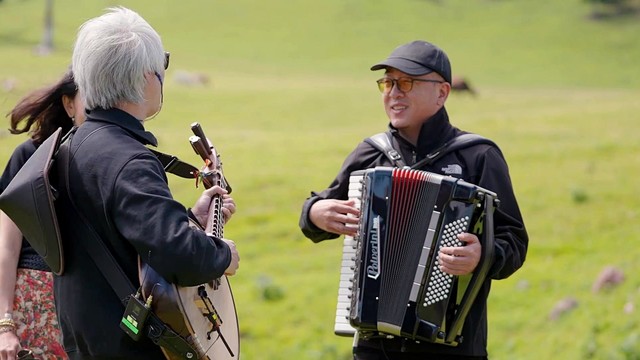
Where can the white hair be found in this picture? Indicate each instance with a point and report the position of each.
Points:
(111, 56)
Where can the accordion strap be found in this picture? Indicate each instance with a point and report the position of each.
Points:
(457, 143)
(382, 142)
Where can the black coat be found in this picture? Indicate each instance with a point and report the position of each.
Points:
(482, 165)
(122, 189)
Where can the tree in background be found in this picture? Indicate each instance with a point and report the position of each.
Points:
(46, 46)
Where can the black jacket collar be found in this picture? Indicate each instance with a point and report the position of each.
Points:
(434, 133)
(125, 121)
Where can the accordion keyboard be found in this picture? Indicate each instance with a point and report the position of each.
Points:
(342, 325)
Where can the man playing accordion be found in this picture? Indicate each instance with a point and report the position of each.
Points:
(415, 87)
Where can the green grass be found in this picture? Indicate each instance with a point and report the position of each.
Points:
(291, 95)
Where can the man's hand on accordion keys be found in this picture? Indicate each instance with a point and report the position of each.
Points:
(335, 216)
(461, 260)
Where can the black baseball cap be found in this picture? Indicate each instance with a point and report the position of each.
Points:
(418, 58)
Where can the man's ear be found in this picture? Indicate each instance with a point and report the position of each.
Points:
(445, 89)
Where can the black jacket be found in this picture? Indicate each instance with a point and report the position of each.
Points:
(122, 189)
(482, 165)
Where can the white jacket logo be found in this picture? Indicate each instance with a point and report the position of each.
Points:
(452, 169)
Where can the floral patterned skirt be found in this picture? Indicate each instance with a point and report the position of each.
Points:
(35, 315)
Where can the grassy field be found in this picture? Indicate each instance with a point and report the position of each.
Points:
(290, 94)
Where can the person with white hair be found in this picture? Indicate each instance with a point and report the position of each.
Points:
(120, 189)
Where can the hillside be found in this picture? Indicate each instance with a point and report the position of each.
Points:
(290, 94)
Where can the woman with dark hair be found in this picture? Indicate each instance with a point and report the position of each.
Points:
(28, 317)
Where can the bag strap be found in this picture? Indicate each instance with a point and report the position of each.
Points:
(157, 331)
(382, 142)
(95, 247)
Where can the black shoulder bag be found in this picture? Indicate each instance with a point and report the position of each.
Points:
(29, 201)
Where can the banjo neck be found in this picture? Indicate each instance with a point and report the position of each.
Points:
(211, 176)
(215, 222)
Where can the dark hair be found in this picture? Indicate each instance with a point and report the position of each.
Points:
(43, 109)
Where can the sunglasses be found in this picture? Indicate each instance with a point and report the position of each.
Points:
(404, 84)
(167, 56)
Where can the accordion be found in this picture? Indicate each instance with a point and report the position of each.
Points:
(390, 282)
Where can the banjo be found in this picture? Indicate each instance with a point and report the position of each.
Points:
(204, 315)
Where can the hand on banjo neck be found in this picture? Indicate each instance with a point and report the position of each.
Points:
(215, 206)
